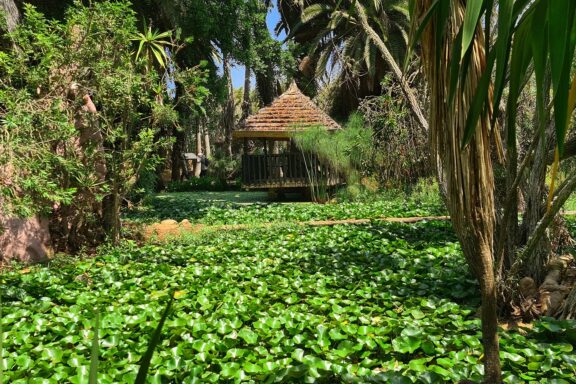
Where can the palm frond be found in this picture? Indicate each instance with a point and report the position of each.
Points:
(314, 11)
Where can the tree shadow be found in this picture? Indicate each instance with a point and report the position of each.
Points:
(409, 260)
(197, 206)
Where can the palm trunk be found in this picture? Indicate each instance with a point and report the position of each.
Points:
(467, 172)
(228, 114)
(177, 151)
(246, 99)
(406, 89)
(207, 148)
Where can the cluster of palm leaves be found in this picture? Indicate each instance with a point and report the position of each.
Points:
(352, 43)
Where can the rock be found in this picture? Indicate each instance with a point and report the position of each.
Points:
(25, 240)
(169, 222)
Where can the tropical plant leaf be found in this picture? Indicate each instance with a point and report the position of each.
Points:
(441, 18)
(478, 102)
(313, 11)
(455, 60)
(521, 55)
(561, 45)
(140, 48)
(95, 351)
(425, 21)
(163, 35)
(471, 17)
(502, 48)
(159, 55)
(488, 25)
(539, 45)
(154, 341)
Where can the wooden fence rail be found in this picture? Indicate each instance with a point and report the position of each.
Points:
(287, 170)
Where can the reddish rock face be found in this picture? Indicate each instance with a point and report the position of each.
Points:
(24, 240)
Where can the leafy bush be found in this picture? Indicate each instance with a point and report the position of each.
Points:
(82, 118)
(223, 167)
(401, 153)
(345, 151)
(74, 104)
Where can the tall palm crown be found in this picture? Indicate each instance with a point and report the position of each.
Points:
(341, 38)
(333, 36)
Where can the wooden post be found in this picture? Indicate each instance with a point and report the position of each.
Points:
(266, 164)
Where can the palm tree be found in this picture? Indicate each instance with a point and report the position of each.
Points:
(468, 173)
(363, 37)
(467, 75)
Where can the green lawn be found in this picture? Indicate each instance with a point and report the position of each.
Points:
(384, 303)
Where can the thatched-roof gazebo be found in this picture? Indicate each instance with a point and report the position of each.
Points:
(289, 113)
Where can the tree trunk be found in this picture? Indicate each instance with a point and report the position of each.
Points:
(467, 172)
(406, 89)
(207, 148)
(535, 192)
(266, 87)
(198, 167)
(177, 151)
(11, 12)
(246, 100)
(229, 109)
(111, 211)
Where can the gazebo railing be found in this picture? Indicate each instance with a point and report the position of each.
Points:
(282, 171)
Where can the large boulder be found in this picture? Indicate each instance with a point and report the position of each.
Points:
(25, 240)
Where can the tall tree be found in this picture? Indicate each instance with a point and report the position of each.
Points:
(467, 173)
(467, 76)
(228, 117)
(246, 105)
(364, 38)
(11, 13)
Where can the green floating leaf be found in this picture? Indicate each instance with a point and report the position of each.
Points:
(248, 335)
(406, 344)
(229, 369)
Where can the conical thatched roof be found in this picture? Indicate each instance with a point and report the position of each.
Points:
(290, 112)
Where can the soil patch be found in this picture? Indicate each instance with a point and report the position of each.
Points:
(170, 229)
